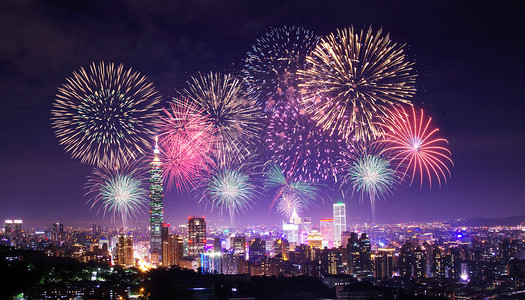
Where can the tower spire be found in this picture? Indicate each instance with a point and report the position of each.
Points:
(156, 150)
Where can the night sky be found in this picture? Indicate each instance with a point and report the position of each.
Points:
(470, 61)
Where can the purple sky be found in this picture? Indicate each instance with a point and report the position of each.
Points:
(470, 59)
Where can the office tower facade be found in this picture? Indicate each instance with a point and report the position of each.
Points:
(339, 222)
(17, 227)
(327, 232)
(257, 249)
(156, 202)
(315, 239)
(282, 247)
(353, 254)
(383, 263)
(238, 246)
(366, 254)
(57, 232)
(8, 227)
(345, 236)
(167, 255)
(196, 236)
(125, 251)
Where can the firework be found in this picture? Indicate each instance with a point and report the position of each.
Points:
(231, 188)
(105, 115)
(352, 78)
(290, 194)
(367, 170)
(118, 192)
(289, 205)
(235, 118)
(301, 148)
(415, 146)
(186, 145)
(271, 67)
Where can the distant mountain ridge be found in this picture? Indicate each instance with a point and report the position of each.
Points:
(484, 222)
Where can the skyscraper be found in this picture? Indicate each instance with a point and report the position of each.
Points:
(196, 236)
(327, 231)
(8, 227)
(17, 228)
(155, 204)
(125, 251)
(339, 222)
(57, 232)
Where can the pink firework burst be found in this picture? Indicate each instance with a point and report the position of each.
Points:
(416, 148)
(186, 145)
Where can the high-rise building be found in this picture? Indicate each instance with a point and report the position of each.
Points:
(57, 232)
(353, 254)
(17, 228)
(167, 246)
(366, 254)
(8, 227)
(327, 231)
(282, 247)
(315, 239)
(383, 262)
(339, 222)
(257, 249)
(125, 251)
(345, 236)
(238, 245)
(196, 236)
(156, 206)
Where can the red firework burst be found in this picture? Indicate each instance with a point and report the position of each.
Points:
(415, 146)
(186, 145)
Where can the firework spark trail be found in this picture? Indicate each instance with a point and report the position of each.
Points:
(352, 78)
(367, 170)
(299, 146)
(271, 66)
(187, 144)
(415, 147)
(105, 115)
(293, 138)
(118, 192)
(231, 188)
(289, 204)
(235, 117)
(287, 192)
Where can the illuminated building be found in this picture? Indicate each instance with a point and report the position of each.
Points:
(307, 224)
(155, 204)
(345, 235)
(17, 227)
(383, 262)
(315, 239)
(291, 232)
(339, 222)
(125, 251)
(353, 254)
(238, 245)
(366, 254)
(257, 250)
(57, 232)
(282, 247)
(327, 232)
(196, 236)
(168, 249)
(8, 227)
(305, 229)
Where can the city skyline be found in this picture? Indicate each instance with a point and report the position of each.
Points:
(469, 81)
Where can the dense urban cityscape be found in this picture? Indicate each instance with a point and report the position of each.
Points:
(277, 149)
(429, 260)
(432, 259)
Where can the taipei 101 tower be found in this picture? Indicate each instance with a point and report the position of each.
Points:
(156, 206)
